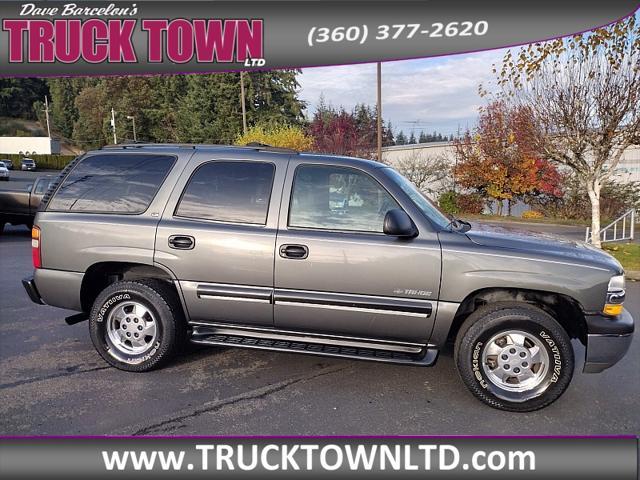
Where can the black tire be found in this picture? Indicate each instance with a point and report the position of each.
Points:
(161, 301)
(489, 322)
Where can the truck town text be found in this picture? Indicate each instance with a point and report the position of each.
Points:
(96, 40)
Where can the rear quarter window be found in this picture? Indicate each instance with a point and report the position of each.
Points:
(229, 192)
(112, 183)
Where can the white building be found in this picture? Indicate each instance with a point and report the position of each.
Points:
(29, 145)
(628, 170)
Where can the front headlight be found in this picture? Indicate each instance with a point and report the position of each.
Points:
(615, 296)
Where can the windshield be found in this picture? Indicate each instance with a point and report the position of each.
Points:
(432, 212)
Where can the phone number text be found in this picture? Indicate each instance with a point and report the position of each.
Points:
(404, 31)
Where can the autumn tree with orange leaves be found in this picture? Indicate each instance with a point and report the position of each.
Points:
(498, 159)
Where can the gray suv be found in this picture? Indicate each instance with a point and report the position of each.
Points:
(265, 248)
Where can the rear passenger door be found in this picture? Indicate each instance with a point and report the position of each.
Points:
(217, 235)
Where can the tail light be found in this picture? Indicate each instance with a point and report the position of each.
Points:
(35, 247)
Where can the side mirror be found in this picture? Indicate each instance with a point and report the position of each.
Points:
(398, 224)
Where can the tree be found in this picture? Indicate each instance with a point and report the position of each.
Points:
(427, 172)
(18, 94)
(64, 112)
(352, 133)
(423, 137)
(272, 97)
(336, 132)
(584, 93)
(499, 160)
(387, 135)
(412, 138)
(180, 108)
(285, 136)
(401, 139)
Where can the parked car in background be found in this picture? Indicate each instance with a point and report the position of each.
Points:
(7, 163)
(317, 254)
(4, 172)
(28, 164)
(19, 207)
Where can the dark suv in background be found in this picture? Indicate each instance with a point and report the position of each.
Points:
(265, 248)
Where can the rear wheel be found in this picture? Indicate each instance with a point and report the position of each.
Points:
(137, 325)
(514, 356)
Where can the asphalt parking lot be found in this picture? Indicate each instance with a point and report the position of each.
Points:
(18, 180)
(53, 382)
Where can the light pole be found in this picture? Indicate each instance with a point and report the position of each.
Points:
(113, 125)
(46, 112)
(133, 121)
(379, 110)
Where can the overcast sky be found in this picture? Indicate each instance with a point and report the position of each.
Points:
(439, 93)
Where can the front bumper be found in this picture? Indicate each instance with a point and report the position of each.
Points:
(608, 340)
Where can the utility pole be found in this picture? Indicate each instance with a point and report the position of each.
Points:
(244, 109)
(46, 113)
(113, 125)
(133, 120)
(379, 111)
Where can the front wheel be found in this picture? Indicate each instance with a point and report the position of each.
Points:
(514, 357)
(137, 325)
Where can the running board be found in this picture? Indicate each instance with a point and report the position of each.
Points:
(324, 345)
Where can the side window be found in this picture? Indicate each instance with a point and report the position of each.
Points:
(112, 183)
(41, 186)
(338, 198)
(232, 192)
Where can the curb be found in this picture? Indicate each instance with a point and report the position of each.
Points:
(633, 275)
(524, 222)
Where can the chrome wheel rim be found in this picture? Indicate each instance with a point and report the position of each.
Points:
(131, 328)
(515, 360)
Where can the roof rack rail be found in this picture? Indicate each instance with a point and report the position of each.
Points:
(271, 148)
(140, 144)
(251, 145)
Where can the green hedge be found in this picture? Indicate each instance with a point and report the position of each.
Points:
(54, 162)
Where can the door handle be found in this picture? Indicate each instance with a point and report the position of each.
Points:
(182, 242)
(298, 252)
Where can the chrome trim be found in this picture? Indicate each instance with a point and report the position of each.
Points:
(233, 299)
(234, 292)
(329, 300)
(343, 301)
(351, 309)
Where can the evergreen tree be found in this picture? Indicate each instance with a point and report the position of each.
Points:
(63, 110)
(180, 108)
(423, 138)
(401, 139)
(387, 135)
(412, 138)
(17, 96)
